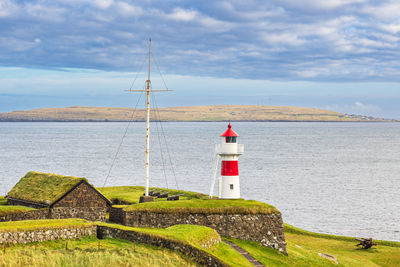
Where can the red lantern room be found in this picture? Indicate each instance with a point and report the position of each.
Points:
(230, 135)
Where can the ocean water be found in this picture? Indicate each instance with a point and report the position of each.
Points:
(338, 178)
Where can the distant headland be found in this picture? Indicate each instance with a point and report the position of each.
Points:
(189, 113)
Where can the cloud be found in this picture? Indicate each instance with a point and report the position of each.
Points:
(385, 10)
(128, 9)
(182, 15)
(319, 5)
(332, 40)
(392, 28)
(290, 39)
(7, 8)
(103, 4)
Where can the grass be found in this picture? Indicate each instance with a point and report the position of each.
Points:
(90, 252)
(194, 235)
(6, 210)
(207, 206)
(131, 194)
(29, 225)
(40, 187)
(303, 248)
(3, 200)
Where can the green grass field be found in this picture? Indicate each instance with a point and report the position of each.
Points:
(196, 236)
(303, 248)
(90, 252)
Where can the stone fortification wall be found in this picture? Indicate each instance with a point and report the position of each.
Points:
(194, 253)
(45, 235)
(266, 229)
(87, 213)
(117, 215)
(26, 215)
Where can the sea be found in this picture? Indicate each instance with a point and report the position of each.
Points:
(327, 177)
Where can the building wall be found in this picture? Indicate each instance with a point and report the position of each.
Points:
(267, 229)
(82, 196)
(82, 202)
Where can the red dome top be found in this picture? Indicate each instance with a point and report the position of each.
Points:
(229, 132)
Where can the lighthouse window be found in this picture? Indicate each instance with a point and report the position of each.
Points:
(231, 139)
(231, 186)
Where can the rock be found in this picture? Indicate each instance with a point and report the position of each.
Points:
(329, 257)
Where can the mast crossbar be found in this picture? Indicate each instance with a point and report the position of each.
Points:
(151, 90)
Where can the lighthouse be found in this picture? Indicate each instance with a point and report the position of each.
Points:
(229, 151)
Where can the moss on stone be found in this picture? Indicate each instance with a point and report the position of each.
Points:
(39, 187)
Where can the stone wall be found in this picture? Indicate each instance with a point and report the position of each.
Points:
(87, 213)
(194, 253)
(26, 215)
(45, 235)
(117, 215)
(266, 229)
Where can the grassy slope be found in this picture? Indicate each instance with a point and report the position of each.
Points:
(196, 236)
(303, 248)
(193, 113)
(91, 252)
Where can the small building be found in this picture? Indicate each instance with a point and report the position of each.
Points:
(64, 196)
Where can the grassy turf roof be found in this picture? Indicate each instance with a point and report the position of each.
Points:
(39, 187)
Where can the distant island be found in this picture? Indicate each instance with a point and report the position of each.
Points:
(189, 113)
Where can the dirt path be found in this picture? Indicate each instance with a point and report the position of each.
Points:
(250, 258)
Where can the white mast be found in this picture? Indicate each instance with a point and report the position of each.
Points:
(146, 197)
(148, 124)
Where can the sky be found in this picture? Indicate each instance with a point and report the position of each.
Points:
(341, 55)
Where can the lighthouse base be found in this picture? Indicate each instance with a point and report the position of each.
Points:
(229, 187)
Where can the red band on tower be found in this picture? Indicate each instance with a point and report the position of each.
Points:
(230, 168)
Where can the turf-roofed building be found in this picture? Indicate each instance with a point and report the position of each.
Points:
(64, 196)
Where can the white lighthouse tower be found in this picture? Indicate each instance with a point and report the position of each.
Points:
(229, 151)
